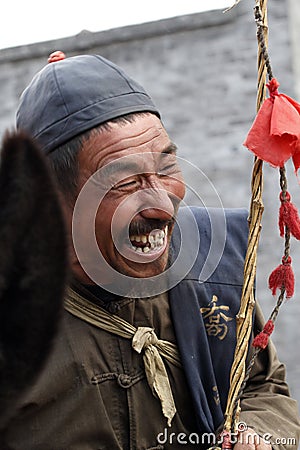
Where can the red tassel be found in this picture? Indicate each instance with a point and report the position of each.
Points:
(288, 216)
(283, 276)
(262, 339)
(269, 327)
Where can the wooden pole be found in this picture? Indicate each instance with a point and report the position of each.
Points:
(244, 316)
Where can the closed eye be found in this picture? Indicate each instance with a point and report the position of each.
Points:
(126, 184)
(168, 169)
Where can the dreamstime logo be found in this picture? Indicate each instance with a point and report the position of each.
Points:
(209, 439)
(120, 172)
(243, 435)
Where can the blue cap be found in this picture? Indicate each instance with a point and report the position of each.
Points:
(75, 94)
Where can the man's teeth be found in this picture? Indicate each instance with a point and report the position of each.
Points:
(154, 240)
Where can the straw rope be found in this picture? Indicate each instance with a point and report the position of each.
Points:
(244, 316)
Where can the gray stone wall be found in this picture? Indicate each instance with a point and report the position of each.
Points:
(201, 71)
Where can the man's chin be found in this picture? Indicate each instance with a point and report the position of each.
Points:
(143, 269)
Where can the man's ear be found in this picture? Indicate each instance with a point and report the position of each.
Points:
(33, 265)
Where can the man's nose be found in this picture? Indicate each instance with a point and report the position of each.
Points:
(157, 204)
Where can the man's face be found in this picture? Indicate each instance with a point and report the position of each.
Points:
(140, 186)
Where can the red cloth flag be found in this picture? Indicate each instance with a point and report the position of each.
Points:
(275, 134)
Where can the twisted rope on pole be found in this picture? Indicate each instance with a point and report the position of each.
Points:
(244, 317)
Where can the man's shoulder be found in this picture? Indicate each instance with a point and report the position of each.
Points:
(208, 214)
(217, 237)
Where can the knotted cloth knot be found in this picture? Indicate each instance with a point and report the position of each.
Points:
(143, 338)
(146, 340)
(273, 88)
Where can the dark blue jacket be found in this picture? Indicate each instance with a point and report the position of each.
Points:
(204, 305)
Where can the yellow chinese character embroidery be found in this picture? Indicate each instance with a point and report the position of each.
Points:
(215, 319)
(216, 395)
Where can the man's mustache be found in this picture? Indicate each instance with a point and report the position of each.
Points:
(141, 226)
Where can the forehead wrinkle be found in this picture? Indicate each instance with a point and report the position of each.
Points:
(120, 144)
(136, 149)
(119, 166)
(115, 144)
